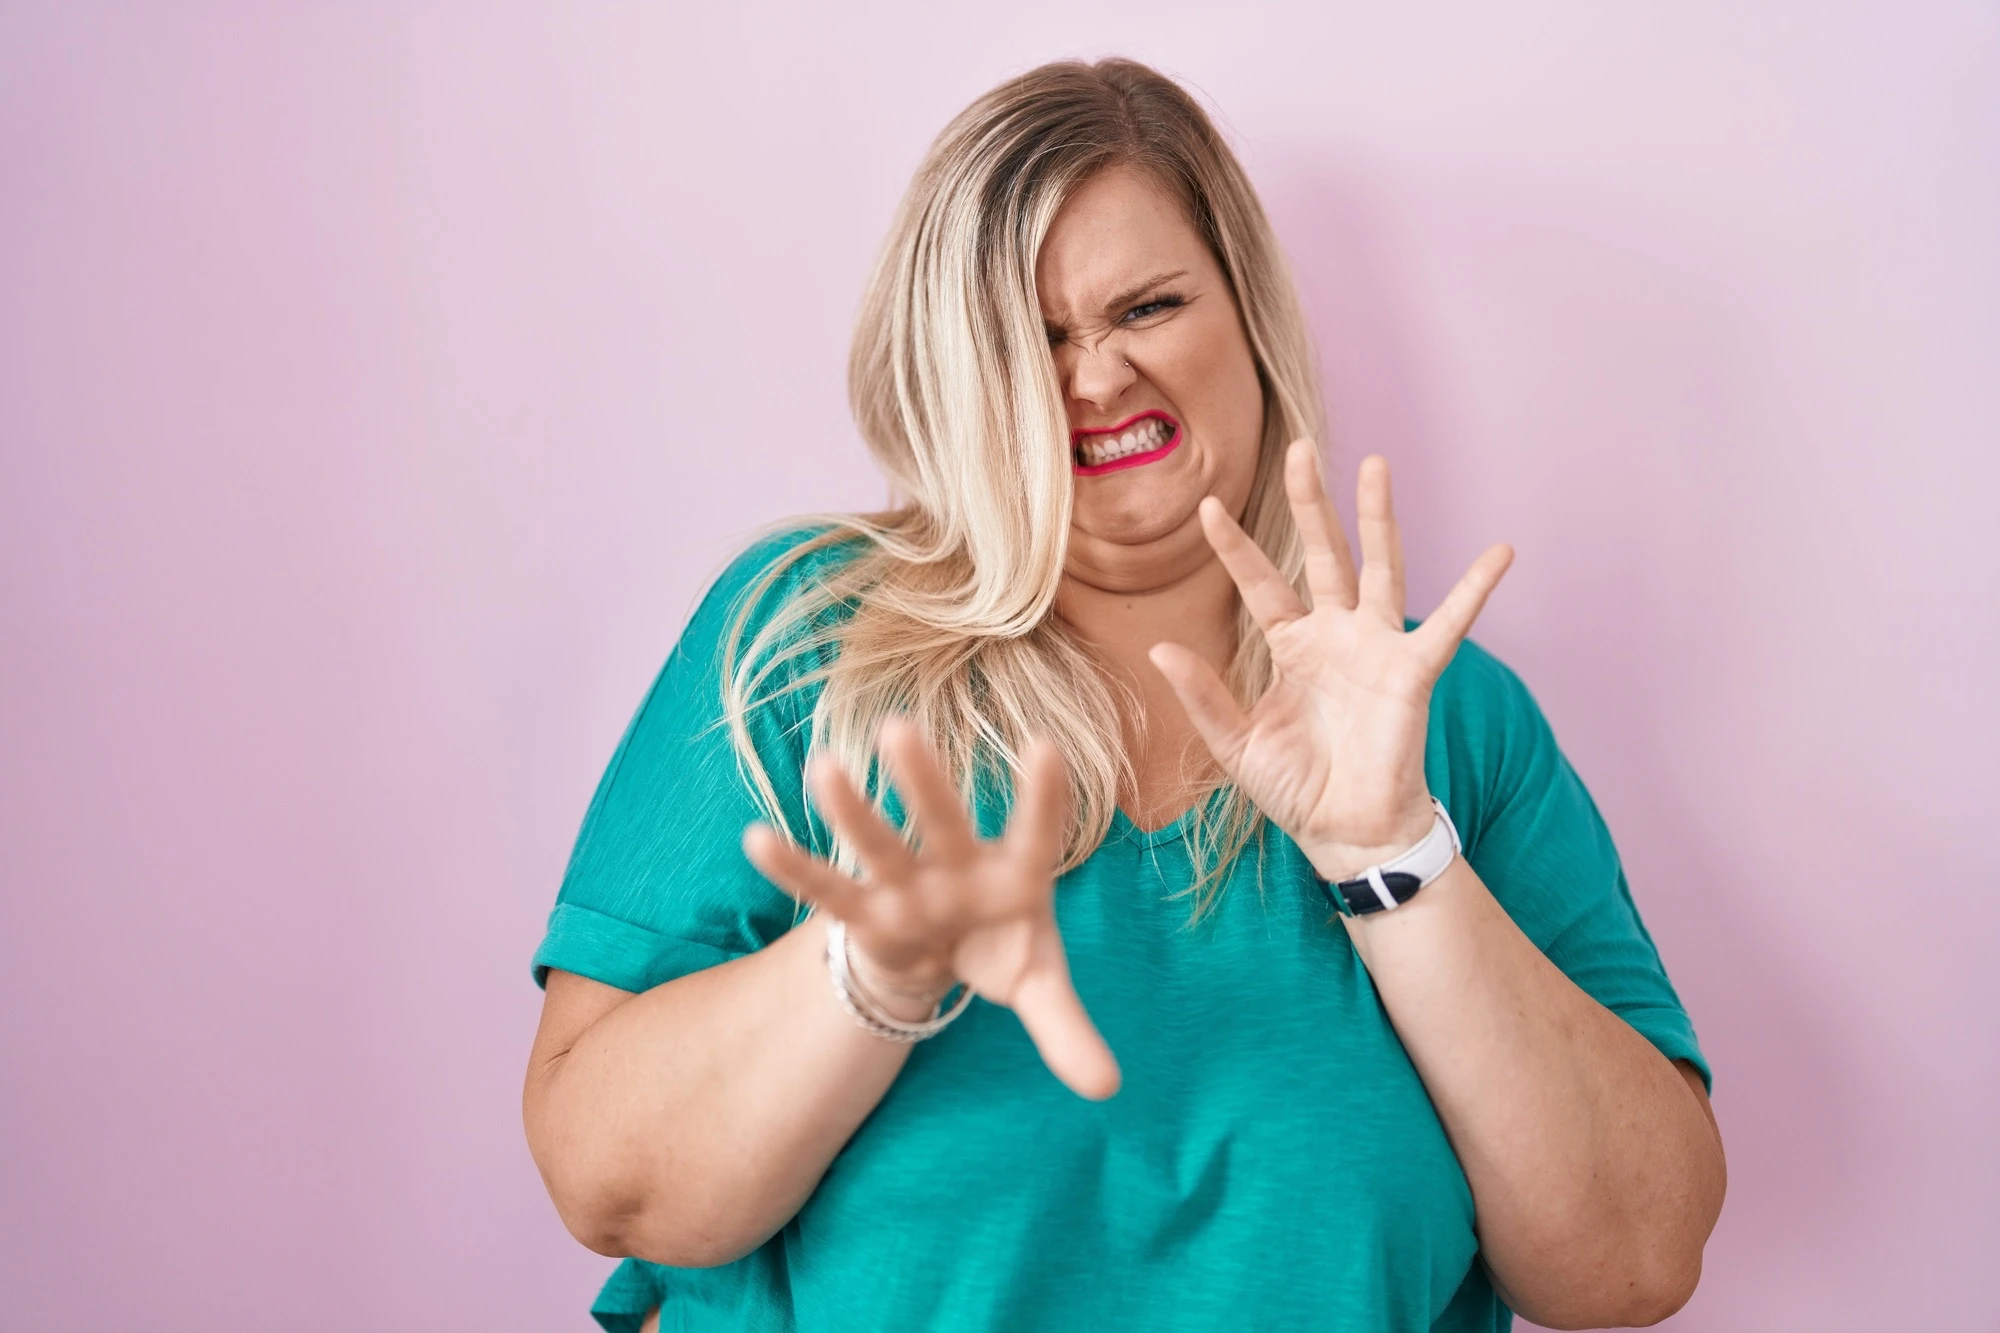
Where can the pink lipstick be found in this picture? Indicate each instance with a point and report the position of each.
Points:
(1144, 438)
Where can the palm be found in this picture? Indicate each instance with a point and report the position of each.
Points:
(955, 907)
(1333, 751)
(992, 902)
(1001, 959)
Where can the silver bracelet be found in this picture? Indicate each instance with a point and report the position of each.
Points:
(866, 1010)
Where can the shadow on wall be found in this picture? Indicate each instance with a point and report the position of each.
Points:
(1558, 381)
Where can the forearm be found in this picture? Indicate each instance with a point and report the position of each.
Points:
(1596, 1171)
(690, 1122)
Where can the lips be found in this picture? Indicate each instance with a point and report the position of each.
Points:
(1145, 438)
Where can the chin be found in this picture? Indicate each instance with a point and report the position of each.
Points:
(1141, 516)
(1137, 547)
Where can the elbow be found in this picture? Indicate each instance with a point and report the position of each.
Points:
(682, 1251)
(1607, 1276)
(677, 1224)
(600, 1223)
(1613, 1272)
(597, 1208)
(599, 1237)
(1661, 1295)
(598, 1198)
(669, 1242)
(652, 1231)
(1635, 1294)
(1667, 1260)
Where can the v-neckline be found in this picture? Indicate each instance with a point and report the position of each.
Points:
(1121, 822)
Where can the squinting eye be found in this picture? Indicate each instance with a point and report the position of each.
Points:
(1153, 307)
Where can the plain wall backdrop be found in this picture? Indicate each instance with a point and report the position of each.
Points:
(380, 384)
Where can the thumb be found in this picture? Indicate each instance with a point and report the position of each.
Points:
(1070, 1044)
(1222, 724)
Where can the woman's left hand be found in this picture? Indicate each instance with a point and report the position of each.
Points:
(1333, 753)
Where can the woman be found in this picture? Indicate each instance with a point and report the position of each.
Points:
(1145, 732)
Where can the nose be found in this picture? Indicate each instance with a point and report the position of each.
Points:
(1097, 374)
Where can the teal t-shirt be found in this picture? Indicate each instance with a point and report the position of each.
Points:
(1272, 1160)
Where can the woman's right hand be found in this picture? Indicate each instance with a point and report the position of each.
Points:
(957, 908)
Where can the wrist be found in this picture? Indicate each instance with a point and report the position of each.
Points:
(910, 997)
(879, 1014)
(1338, 859)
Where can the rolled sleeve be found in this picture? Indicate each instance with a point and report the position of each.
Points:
(618, 953)
(657, 885)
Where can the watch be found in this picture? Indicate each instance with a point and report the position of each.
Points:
(1385, 887)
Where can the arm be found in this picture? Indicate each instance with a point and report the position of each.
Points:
(1596, 1173)
(1595, 1163)
(687, 1124)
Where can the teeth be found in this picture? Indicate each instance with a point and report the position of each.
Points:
(1147, 435)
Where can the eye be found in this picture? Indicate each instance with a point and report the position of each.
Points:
(1158, 305)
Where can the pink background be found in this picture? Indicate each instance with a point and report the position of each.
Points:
(378, 386)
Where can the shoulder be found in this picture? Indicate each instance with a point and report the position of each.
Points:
(1489, 741)
(768, 580)
(1480, 694)
(783, 561)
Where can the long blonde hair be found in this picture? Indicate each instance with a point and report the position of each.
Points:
(955, 391)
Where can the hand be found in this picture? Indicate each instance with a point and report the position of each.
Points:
(958, 907)
(1334, 751)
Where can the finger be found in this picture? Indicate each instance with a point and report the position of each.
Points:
(857, 823)
(1329, 564)
(935, 811)
(1381, 580)
(1070, 1044)
(1040, 820)
(1446, 627)
(1270, 599)
(803, 875)
(1223, 726)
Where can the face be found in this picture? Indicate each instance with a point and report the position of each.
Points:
(1157, 376)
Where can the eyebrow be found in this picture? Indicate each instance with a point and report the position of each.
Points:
(1139, 289)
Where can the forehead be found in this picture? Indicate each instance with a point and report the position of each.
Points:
(1119, 228)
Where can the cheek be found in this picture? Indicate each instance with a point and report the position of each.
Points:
(1209, 366)
(1210, 374)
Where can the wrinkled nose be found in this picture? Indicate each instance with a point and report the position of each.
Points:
(1097, 374)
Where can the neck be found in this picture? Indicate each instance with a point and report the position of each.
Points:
(1197, 610)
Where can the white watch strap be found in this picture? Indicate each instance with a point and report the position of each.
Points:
(1431, 857)
(1413, 869)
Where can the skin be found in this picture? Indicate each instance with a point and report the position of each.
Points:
(1140, 568)
(687, 1124)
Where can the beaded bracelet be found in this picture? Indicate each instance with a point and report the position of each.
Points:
(866, 1009)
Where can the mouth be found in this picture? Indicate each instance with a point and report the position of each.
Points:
(1134, 442)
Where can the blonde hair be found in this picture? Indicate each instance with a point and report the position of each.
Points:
(955, 391)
